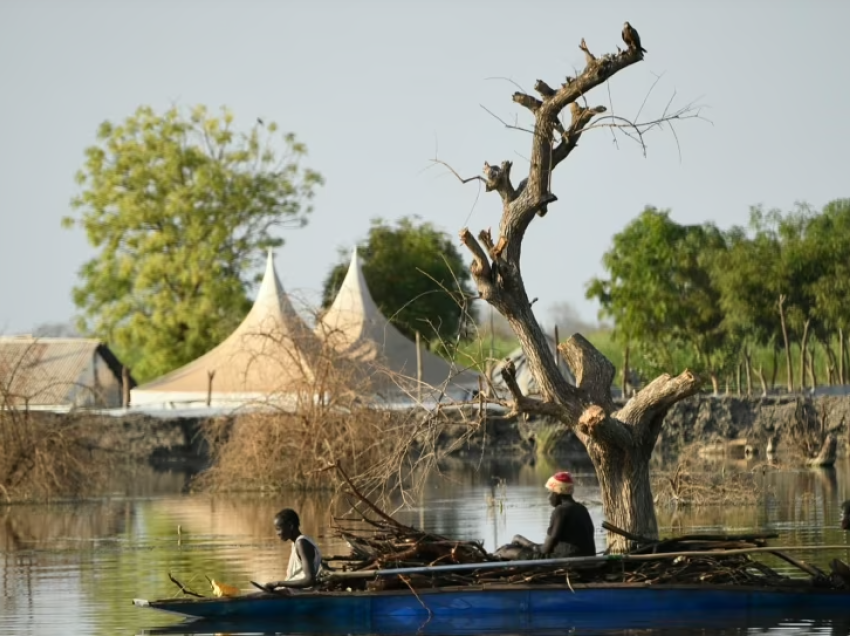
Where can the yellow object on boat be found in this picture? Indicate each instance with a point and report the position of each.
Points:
(223, 589)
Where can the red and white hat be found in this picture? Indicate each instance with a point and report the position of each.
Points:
(560, 483)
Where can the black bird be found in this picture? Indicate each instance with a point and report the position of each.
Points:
(845, 515)
(631, 38)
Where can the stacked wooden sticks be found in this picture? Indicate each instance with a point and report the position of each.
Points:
(380, 544)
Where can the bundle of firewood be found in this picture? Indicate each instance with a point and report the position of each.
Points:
(379, 542)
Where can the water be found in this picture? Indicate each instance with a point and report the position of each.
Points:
(74, 568)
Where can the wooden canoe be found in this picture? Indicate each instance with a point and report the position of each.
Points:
(506, 606)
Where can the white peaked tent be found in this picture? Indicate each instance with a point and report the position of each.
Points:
(267, 356)
(354, 326)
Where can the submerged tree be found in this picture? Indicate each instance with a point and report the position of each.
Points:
(619, 442)
(179, 208)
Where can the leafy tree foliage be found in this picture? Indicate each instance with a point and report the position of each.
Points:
(416, 276)
(714, 295)
(659, 291)
(180, 208)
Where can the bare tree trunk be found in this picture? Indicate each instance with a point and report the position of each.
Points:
(842, 378)
(846, 363)
(827, 454)
(762, 380)
(813, 374)
(619, 442)
(787, 347)
(738, 385)
(804, 353)
(748, 367)
(830, 365)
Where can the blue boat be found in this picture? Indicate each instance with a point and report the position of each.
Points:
(498, 606)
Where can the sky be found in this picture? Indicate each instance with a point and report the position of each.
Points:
(377, 89)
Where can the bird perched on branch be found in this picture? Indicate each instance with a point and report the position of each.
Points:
(631, 38)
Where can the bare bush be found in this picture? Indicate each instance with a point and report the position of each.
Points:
(332, 410)
(46, 456)
(43, 455)
(697, 481)
(807, 440)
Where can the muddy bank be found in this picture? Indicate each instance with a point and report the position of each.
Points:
(785, 418)
(697, 419)
(178, 441)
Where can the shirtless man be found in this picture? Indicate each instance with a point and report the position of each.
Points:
(305, 559)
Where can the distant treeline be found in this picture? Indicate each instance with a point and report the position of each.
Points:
(740, 304)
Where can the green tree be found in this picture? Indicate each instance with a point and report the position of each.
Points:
(829, 235)
(180, 208)
(660, 294)
(744, 276)
(416, 276)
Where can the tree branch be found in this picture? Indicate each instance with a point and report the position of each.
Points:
(525, 404)
(569, 138)
(535, 196)
(531, 103)
(480, 268)
(593, 371)
(498, 178)
(651, 403)
(544, 89)
(597, 425)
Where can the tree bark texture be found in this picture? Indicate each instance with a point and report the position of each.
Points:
(620, 442)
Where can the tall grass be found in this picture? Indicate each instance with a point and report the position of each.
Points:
(481, 351)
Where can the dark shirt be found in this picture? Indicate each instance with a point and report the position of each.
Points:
(571, 523)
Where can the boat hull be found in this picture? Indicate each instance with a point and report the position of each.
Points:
(540, 607)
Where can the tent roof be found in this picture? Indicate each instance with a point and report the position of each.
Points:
(356, 328)
(268, 352)
(53, 371)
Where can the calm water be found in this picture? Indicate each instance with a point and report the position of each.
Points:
(74, 569)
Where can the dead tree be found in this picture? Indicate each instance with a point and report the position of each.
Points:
(620, 442)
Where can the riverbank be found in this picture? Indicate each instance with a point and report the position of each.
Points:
(179, 441)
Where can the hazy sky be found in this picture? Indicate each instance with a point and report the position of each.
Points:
(375, 88)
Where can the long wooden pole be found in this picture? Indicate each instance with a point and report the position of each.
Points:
(629, 558)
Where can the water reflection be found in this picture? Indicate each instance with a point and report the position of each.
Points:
(69, 569)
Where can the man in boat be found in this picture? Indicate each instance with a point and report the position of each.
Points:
(305, 559)
(570, 532)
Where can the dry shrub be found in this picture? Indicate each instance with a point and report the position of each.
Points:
(47, 456)
(808, 435)
(381, 450)
(329, 417)
(697, 481)
(43, 455)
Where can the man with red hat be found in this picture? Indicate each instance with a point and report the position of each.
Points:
(570, 532)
